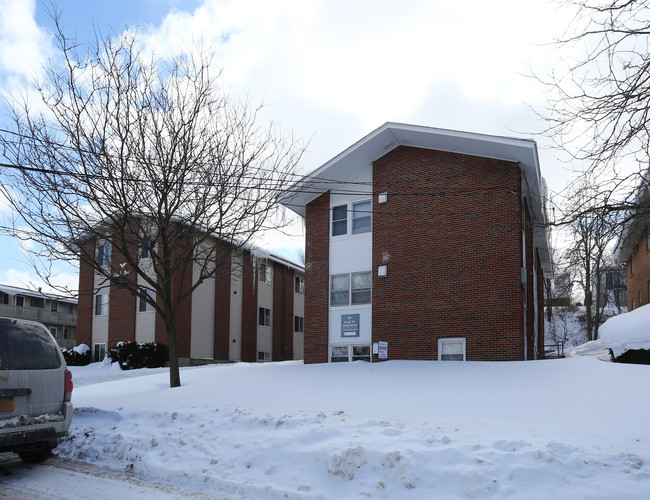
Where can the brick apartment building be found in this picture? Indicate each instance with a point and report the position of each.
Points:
(252, 310)
(633, 250)
(424, 244)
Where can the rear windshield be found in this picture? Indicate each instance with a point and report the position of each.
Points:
(27, 347)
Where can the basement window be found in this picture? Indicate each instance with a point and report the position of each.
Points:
(451, 349)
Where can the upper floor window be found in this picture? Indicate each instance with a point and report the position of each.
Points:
(300, 284)
(264, 317)
(339, 220)
(54, 306)
(146, 305)
(20, 301)
(101, 305)
(354, 286)
(361, 219)
(299, 324)
(266, 272)
(147, 245)
(37, 302)
(104, 254)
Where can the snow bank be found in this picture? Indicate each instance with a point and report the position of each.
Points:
(570, 428)
(627, 331)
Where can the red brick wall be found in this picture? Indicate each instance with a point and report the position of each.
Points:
(637, 282)
(282, 312)
(317, 280)
(222, 305)
(451, 234)
(249, 311)
(85, 307)
(121, 302)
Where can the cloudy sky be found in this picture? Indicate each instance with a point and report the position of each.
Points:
(329, 71)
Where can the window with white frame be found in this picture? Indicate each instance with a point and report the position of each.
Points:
(20, 301)
(101, 305)
(339, 220)
(361, 217)
(353, 288)
(54, 306)
(339, 354)
(300, 285)
(266, 272)
(38, 302)
(451, 349)
(264, 317)
(99, 352)
(263, 356)
(344, 353)
(104, 254)
(146, 304)
(54, 331)
(299, 324)
(147, 245)
(633, 304)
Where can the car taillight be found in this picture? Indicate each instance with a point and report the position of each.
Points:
(68, 385)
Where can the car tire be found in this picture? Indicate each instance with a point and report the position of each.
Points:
(37, 455)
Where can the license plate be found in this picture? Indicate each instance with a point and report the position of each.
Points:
(6, 405)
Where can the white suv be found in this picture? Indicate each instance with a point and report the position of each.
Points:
(35, 390)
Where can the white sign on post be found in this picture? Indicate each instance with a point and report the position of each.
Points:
(383, 350)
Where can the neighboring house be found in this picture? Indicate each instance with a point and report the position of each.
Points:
(614, 289)
(252, 310)
(562, 290)
(424, 244)
(58, 313)
(632, 249)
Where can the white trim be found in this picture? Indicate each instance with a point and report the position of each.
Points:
(452, 340)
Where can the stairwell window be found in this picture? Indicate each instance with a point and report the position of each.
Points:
(299, 324)
(340, 290)
(266, 272)
(339, 220)
(342, 294)
(146, 305)
(361, 284)
(300, 285)
(361, 217)
(101, 305)
(264, 316)
(147, 245)
(104, 254)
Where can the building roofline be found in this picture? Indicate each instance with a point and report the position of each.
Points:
(15, 290)
(344, 167)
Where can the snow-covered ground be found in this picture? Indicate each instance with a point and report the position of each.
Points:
(569, 428)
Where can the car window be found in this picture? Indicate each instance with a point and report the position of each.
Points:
(27, 347)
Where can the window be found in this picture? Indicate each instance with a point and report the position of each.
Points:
(20, 301)
(299, 324)
(361, 283)
(4, 298)
(99, 352)
(54, 306)
(264, 316)
(339, 220)
(452, 349)
(37, 302)
(361, 217)
(632, 264)
(263, 356)
(70, 308)
(300, 285)
(25, 346)
(647, 238)
(266, 272)
(339, 353)
(633, 304)
(146, 305)
(53, 331)
(360, 293)
(147, 245)
(340, 291)
(104, 254)
(101, 305)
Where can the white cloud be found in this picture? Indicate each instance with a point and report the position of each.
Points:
(28, 279)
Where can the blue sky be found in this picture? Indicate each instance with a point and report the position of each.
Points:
(329, 71)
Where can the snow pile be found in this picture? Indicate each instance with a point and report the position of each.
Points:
(571, 428)
(627, 331)
(595, 348)
(81, 349)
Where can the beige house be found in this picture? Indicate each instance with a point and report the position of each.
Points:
(56, 312)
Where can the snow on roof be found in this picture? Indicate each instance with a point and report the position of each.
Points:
(14, 290)
(627, 331)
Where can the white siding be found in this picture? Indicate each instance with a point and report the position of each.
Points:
(145, 322)
(298, 310)
(351, 253)
(100, 323)
(202, 336)
(265, 333)
(236, 294)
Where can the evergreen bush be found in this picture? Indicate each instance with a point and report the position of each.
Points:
(132, 355)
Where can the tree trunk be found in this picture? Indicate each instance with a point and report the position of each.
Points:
(174, 371)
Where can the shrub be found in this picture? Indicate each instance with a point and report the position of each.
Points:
(634, 356)
(75, 358)
(132, 355)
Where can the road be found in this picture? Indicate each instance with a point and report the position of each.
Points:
(57, 479)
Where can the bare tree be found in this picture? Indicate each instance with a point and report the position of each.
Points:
(146, 154)
(592, 232)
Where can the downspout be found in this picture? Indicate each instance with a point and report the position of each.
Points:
(523, 268)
